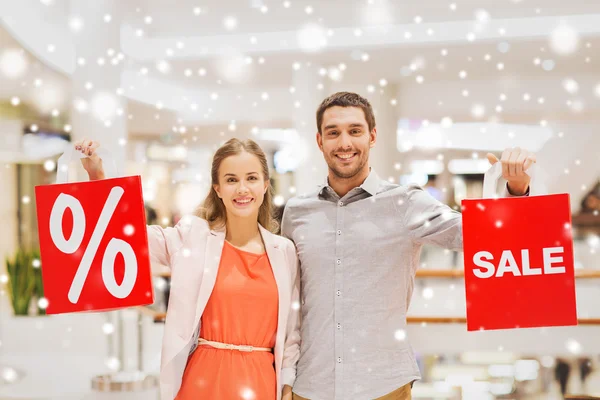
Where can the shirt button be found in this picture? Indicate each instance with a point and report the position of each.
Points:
(339, 292)
(338, 261)
(339, 232)
(339, 360)
(341, 203)
(339, 326)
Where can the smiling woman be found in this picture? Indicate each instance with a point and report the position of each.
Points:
(235, 286)
(240, 186)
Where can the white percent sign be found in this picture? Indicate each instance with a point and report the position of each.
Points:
(115, 246)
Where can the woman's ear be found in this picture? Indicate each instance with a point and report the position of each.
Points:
(216, 189)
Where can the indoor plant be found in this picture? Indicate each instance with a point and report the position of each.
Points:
(24, 280)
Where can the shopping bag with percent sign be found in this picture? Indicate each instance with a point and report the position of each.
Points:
(519, 268)
(93, 241)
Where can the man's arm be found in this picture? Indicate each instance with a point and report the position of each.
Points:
(428, 221)
(286, 223)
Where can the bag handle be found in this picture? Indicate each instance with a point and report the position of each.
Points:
(492, 175)
(108, 162)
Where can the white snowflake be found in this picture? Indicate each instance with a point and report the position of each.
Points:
(478, 110)
(573, 346)
(400, 335)
(13, 63)
(564, 39)
(248, 394)
(548, 65)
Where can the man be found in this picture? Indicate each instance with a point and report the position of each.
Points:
(359, 238)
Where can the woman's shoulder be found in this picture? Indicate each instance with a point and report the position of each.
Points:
(189, 222)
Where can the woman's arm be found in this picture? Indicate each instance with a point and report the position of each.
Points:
(291, 348)
(162, 242)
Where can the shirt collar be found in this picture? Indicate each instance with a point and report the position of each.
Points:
(370, 185)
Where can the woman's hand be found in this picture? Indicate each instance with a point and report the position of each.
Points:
(92, 163)
(287, 393)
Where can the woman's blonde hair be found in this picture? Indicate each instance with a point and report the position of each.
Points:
(213, 210)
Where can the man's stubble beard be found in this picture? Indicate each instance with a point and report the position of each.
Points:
(351, 174)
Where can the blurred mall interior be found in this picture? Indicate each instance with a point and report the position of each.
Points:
(162, 84)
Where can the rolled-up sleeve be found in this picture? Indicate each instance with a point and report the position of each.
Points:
(429, 221)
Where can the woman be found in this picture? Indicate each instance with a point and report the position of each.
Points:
(232, 325)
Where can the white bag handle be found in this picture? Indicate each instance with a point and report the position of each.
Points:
(491, 177)
(108, 162)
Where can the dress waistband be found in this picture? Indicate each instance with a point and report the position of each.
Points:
(226, 346)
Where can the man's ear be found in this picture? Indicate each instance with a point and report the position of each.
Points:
(319, 138)
(373, 138)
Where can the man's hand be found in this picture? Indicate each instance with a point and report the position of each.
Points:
(515, 162)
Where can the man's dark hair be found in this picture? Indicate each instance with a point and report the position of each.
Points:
(346, 99)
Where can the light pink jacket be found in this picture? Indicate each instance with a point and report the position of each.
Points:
(193, 251)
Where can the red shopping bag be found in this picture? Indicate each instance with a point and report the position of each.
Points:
(519, 270)
(93, 243)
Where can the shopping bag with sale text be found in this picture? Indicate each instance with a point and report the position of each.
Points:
(518, 253)
(93, 241)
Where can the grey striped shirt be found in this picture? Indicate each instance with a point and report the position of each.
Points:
(358, 256)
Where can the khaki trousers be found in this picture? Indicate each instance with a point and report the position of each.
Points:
(399, 394)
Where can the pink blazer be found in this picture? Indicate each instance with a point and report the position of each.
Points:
(193, 251)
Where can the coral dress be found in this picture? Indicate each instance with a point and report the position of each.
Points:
(242, 310)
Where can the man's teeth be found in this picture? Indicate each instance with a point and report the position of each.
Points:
(345, 155)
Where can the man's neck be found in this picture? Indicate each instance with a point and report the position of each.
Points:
(342, 186)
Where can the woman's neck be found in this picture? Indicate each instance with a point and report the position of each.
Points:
(240, 231)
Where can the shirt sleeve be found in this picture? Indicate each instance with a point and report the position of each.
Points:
(291, 347)
(429, 221)
(507, 193)
(286, 222)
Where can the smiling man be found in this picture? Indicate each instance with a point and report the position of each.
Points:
(359, 239)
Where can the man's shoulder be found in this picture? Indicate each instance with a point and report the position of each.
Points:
(303, 199)
(387, 188)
